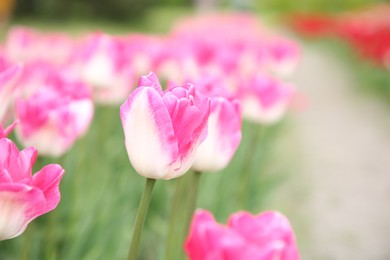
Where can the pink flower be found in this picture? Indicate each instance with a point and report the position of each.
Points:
(163, 129)
(284, 56)
(267, 236)
(24, 197)
(26, 44)
(102, 63)
(224, 127)
(8, 77)
(264, 99)
(58, 110)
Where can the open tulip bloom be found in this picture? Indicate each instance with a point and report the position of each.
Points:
(267, 236)
(24, 197)
(56, 113)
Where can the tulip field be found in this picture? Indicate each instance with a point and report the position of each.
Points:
(168, 107)
(159, 140)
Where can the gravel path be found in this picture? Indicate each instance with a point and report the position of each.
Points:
(342, 192)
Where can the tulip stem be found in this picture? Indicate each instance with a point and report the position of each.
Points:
(175, 218)
(182, 209)
(192, 199)
(140, 218)
(256, 137)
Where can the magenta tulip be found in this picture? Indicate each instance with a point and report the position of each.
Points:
(163, 129)
(23, 196)
(267, 236)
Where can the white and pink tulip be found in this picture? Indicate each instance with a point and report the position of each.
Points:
(52, 115)
(23, 196)
(163, 129)
(103, 64)
(224, 127)
(264, 99)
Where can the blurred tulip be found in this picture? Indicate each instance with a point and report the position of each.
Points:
(224, 128)
(8, 77)
(102, 63)
(264, 99)
(284, 56)
(56, 113)
(24, 197)
(163, 129)
(28, 45)
(267, 236)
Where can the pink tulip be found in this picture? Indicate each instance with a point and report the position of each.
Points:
(267, 236)
(264, 99)
(26, 44)
(284, 56)
(103, 64)
(24, 197)
(163, 129)
(224, 128)
(8, 77)
(58, 110)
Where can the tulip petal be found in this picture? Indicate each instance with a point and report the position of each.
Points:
(47, 180)
(15, 200)
(19, 164)
(150, 80)
(149, 135)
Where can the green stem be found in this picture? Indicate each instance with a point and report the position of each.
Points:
(175, 217)
(256, 136)
(193, 196)
(140, 218)
(27, 242)
(183, 207)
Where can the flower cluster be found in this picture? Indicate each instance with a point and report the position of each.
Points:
(195, 122)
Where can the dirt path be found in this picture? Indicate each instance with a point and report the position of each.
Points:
(342, 193)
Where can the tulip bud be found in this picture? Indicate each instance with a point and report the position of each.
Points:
(163, 129)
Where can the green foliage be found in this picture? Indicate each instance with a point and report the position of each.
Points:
(116, 10)
(311, 5)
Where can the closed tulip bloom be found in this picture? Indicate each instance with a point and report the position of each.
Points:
(163, 129)
(23, 196)
(54, 115)
(267, 236)
(224, 128)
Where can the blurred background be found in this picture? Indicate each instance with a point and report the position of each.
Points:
(326, 166)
